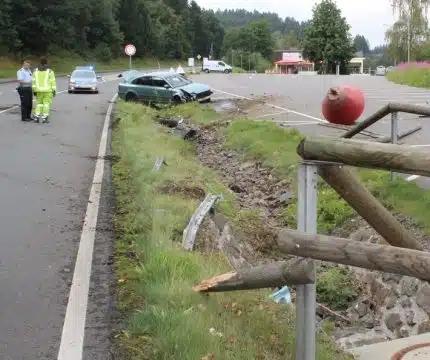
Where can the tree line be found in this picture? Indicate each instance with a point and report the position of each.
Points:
(172, 29)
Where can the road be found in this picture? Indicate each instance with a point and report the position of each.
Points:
(296, 101)
(46, 172)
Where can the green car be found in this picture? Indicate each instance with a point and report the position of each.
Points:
(161, 88)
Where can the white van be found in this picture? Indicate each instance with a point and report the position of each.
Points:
(216, 66)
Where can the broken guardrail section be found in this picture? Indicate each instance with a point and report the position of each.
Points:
(190, 232)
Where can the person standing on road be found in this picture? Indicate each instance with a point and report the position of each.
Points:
(44, 88)
(25, 93)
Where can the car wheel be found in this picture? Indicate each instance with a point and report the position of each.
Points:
(70, 91)
(130, 97)
(177, 100)
(206, 71)
(226, 71)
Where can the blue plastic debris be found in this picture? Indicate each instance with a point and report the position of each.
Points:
(282, 295)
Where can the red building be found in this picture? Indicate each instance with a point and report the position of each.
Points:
(291, 61)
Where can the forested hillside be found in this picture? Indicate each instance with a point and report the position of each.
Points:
(287, 32)
(161, 28)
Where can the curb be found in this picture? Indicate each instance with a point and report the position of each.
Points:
(400, 354)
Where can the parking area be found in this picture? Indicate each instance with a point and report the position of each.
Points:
(295, 101)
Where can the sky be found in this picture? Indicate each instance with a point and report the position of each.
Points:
(370, 18)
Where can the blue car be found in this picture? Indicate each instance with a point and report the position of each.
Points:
(161, 88)
(83, 80)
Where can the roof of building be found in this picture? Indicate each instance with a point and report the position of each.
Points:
(292, 62)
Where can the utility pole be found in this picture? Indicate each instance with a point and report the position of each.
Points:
(409, 38)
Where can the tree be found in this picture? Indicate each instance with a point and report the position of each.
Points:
(361, 44)
(327, 39)
(412, 22)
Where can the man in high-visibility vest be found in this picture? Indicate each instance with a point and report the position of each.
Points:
(44, 88)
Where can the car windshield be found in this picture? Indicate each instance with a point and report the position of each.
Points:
(84, 74)
(177, 80)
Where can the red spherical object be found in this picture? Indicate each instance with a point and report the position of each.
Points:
(343, 105)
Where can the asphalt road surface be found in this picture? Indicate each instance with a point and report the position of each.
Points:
(295, 101)
(46, 172)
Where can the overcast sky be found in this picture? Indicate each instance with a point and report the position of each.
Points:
(366, 17)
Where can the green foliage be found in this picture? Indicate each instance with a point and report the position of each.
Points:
(337, 288)
(417, 77)
(172, 29)
(166, 318)
(361, 44)
(327, 39)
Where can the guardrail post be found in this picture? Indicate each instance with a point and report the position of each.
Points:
(306, 294)
(394, 136)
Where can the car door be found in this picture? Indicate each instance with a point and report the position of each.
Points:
(142, 87)
(162, 90)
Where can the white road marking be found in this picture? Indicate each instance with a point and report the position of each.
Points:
(72, 338)
(274, 106)
(274, 114)
(423, 145)
(412, 177)
(59, 92)
(8, 109)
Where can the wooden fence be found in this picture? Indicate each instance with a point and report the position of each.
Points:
(328, 158)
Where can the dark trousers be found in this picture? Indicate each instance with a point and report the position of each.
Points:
(26, 96)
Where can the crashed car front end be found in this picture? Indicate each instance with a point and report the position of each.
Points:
(195, 96)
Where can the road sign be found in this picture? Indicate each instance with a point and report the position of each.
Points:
(199, 57)
(130, 50)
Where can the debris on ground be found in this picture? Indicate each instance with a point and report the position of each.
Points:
(389, 307)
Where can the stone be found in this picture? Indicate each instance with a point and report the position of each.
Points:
(403, 332)
(408, 286)
(406, 302)
(423, 298)
(369, 321)
(362, 309)
(285, 197)
(361, 235)
(380, 292)
(391, 277)
(393, 321)
(410, 318)
(369, 278)
(424, 327)
(391, 302)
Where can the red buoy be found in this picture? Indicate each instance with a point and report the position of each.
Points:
(343, 105)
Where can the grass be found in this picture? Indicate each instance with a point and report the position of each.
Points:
(62, 66)
(167, 319)
(277, 148)
(411, 76)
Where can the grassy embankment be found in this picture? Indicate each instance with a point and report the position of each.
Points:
(414, 74)
(168, 320)
(64, 66)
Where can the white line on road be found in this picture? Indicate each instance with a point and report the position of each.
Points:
(59, 92)
(273, 114)
(412, 177)
(72, 338)
(273, 106)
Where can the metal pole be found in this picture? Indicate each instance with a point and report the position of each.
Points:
(409, 39)
(306, 294)
(394, 136)
(130, 61)
(241, 61)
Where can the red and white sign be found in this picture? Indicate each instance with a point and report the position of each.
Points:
(130, 50)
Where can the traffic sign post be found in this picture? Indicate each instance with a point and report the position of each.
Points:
(130, 50)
